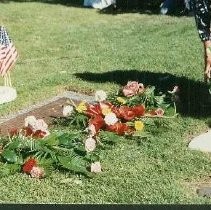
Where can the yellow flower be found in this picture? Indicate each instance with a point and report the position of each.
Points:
(139, 126)
(121, 100)
(81, 107)
(106, 111)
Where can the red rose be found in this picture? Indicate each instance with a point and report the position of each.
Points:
(127, 113)
(139, 110)
(39, 134)
(98, 122)
(28, 165)
(119, 128)
(27, 131)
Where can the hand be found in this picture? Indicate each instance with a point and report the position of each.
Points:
(207, 58)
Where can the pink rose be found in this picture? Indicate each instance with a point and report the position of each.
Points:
(133, 88)
(37, 172)
(96, 167)
(159, 112)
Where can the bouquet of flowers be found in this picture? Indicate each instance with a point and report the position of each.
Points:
(35, 151)
(123, 112)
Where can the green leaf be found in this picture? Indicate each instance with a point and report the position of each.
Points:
(109, 137)
(48, 165)
(50, 140)
(14, 144)
(9, 156)
(65, 139)
(80, 148)
(74, 164)
(159, 100)
(92, 157)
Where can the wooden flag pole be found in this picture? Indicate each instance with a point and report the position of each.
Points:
(7, 80)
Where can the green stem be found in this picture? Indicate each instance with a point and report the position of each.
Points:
(165, 117)
(61, 148)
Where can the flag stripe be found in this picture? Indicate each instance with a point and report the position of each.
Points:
(8, 56)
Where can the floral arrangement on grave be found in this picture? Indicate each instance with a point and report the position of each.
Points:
(130, 113)
(35, 151)
(125, 112)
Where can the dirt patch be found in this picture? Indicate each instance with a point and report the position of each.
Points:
(46, 112)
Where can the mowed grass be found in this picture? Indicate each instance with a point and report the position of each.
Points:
(56, 43)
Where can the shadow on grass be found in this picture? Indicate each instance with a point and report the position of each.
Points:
(147, 11)
(194, 95)
(74, 3)
(150, 7)
(124, 6)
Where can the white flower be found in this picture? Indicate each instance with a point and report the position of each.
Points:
(41, 125)
(90, 144)
(30, 121)
(111, 119)
(100, 95)
(96, 167)
(36, 125)
(67, 110)
(92, 130)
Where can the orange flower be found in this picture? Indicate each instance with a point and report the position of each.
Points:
(119, 128)
(93, 110)
(97, 121)
(139, 110)
(127, 113)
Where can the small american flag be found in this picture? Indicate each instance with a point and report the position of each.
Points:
(8, 53)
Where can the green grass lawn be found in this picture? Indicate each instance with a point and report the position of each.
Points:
(62, 47)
